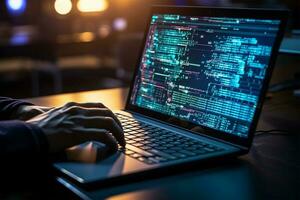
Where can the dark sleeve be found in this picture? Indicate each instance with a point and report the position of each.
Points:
(8, 106)
(20, 140)
(23, 156)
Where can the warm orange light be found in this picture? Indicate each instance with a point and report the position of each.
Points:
(63, 7)
(92, 5)
(86, 37)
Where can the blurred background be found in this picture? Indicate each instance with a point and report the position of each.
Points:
(59, 46)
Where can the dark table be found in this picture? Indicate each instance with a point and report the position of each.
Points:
(270, 171)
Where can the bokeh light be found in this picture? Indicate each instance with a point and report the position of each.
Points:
(19, 39)
(16, 7)
(104, 31)
(86, 37)
(63, 7)
(120, 24)
(92, 5)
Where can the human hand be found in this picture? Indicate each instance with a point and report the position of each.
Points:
(76, 123)
(26, 112)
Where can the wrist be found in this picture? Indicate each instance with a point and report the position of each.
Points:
(40, 138)
(17, 113)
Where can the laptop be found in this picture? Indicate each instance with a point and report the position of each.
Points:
(197, 91)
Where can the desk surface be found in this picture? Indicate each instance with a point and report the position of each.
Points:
(270, 171)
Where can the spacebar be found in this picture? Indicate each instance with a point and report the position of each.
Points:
(162, 154)
(137, 150)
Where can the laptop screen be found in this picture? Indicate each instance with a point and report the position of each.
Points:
(205, 70)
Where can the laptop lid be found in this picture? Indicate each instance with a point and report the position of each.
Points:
(207, 69)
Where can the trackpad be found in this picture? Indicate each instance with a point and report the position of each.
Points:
(88, 152)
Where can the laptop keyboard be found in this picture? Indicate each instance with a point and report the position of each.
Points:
(152, 145)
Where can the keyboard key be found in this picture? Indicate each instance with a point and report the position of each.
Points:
(169, 145)
(179, 155)
(191, 148)
(128, 152)
(138, 144)
(176, 148)
(161, 159)
(131, 137)
(148, 161)
(160, 153)
(145, 147)
(127, 131)
(169, 151)
(140, 151)
(161, 142)
(153, 145)
(134, 132)
(130, 141)
(135, 155)
(138, 139)
(153, 160)
(135, 128)
(142, 159)
(128, 126)
(161, 148)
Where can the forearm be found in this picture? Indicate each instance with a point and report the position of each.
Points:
(8, 107)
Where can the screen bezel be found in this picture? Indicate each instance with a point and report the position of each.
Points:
(281, 15)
